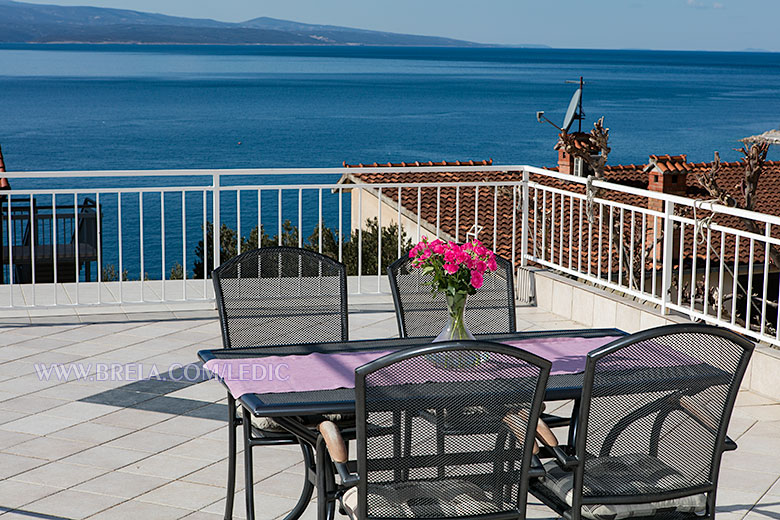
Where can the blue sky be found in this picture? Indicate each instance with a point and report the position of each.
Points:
(607, 24)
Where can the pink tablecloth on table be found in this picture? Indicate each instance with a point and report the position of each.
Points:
(329, 371)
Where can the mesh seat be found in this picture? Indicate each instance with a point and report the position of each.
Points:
(638, 473)
(484, 471)
(446, 498)
(419, 314)
(278, 296)
(652, 426)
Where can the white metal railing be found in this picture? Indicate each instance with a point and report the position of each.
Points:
(158, 244)
(705, 260)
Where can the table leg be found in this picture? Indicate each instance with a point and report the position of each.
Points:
(249, 479)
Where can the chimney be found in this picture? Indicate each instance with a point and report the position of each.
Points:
(573, 165)
(565, 162)
(666, 174)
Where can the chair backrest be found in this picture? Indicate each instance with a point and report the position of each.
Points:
(419, 314)
(279, 296)
(657, 404)
(489, 404)
(88, 215)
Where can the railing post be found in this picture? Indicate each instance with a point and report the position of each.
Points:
(668, 254)
(217, 227)
(524, 222)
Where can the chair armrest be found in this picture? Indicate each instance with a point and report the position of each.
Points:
(555, 421)
(337, 449)
(698, 412)
(515, 422)
(564, 460)
(545, 434)
(704, 417)
(550, 441)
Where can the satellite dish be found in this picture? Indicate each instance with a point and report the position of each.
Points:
(574, 111)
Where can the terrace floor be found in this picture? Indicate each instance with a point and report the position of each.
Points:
(93, 447)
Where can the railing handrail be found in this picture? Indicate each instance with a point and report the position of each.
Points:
(203, 172)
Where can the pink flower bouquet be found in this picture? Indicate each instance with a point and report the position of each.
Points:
(457, 271)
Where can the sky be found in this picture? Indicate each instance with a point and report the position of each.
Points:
(723, 25)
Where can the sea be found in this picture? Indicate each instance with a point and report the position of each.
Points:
(138, 107)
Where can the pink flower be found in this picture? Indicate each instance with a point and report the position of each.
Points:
(461, 256)
(492, 265)
(426, 254)
(449, 256)
(480, 266)
(438, 247)
(481, 251)
(476, 279)
(451, 268)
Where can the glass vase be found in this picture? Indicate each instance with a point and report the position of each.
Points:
(456, 328)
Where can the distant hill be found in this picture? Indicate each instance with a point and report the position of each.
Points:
(36, 23)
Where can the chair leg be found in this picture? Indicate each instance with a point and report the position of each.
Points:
(574, 424)
(326, 483)
(406, 432)
(440, 439)
(231, 480)
(308, 486)
(249, 479)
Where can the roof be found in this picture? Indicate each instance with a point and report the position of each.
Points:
(449, 198)
(669, 163)
(486, 162)
(635, 175)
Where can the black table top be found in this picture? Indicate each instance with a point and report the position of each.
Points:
(559, 387)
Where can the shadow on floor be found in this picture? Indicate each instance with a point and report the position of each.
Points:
(151, 395)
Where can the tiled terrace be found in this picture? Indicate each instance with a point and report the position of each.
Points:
(156, 449)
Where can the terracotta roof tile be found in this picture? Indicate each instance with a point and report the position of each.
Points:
(487, 162)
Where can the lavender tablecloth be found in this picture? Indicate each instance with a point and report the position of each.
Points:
(329, 371)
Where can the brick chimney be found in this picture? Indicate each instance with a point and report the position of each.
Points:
(570, 164)
(565, 162)
(666, 174)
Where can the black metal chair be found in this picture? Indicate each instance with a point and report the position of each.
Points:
(276, 296)
(491, 309)
(481, 473)
(651, 427)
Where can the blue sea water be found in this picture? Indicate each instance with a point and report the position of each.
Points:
(111, 107)
(86, 107)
